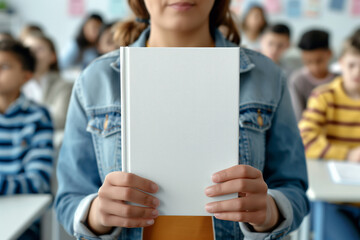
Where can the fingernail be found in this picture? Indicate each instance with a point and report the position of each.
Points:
(217, 215)
(209, 191)
(155, 213)
(154, 187)
(209, 208)
(215, 177)
(150, 222)
(156, 202)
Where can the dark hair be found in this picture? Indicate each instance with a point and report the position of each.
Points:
(104, 28)
(128, 31)
(55, 66)
(30, 29)
(245, 17)
(80, 38)
(279, 28)
(23, 54)
(352, 44)
(7, 36)
(314, 39)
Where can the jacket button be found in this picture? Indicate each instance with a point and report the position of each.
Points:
(260, 119)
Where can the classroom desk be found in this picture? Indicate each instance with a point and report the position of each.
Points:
(18, 212)
(322, 188)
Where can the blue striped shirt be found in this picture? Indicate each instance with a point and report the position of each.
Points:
(26, 148)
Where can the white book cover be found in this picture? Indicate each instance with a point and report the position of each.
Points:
(180, 121)
(345, 172)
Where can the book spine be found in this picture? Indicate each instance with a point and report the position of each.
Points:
(124, 103)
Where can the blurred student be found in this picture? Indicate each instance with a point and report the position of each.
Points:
(330, 129)
(275, 41)
(30, 29)
(105, 42)
(82, 50)
(253, 25)
(6, 36)
(47, 87)
(335, 67)
(316, 55)
(26, 148)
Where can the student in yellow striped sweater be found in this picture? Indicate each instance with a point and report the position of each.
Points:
(330, 129)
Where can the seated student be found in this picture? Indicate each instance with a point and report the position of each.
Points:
(105, 42)
(30, 29)
(6, 36)
(330, 129)
(82, 50)
(93, 197)
(275, 41)
(47, 87)
(26, 148)
(335, 67)
(253, 25)
(316, 55)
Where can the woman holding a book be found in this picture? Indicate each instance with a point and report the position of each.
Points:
(94, 196)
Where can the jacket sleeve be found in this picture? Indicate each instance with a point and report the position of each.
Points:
(38, 162)
(311, 128)
(77, 171)
(285, 170)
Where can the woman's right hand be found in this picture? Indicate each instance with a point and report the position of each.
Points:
(110, 208)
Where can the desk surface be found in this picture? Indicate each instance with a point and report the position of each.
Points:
(18, 212)
(321, 187)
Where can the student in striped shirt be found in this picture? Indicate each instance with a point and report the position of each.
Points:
(26, 131)
(330, 129)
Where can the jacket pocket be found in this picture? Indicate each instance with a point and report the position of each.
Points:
(105, 124)
(105, 128)
(255, 119)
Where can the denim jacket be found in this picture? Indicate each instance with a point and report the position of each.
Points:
(269, 141)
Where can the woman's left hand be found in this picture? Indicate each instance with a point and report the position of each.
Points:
(253, 205)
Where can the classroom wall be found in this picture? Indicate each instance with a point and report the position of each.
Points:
(53, 16)
(339, 24)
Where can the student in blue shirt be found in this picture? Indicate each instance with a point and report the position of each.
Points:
(26, 148)
(270, 179)
(82, 50)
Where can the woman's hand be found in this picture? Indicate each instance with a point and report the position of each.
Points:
(253, 205)
(110, 208)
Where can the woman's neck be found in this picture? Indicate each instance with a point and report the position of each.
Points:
(196, 38)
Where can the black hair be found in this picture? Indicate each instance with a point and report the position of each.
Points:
(23, 54)
(279, 28)
(314, 39)
(80, 38)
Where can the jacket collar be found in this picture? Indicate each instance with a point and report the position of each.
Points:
(220, 41)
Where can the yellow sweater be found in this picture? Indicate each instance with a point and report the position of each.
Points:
(330, 125)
